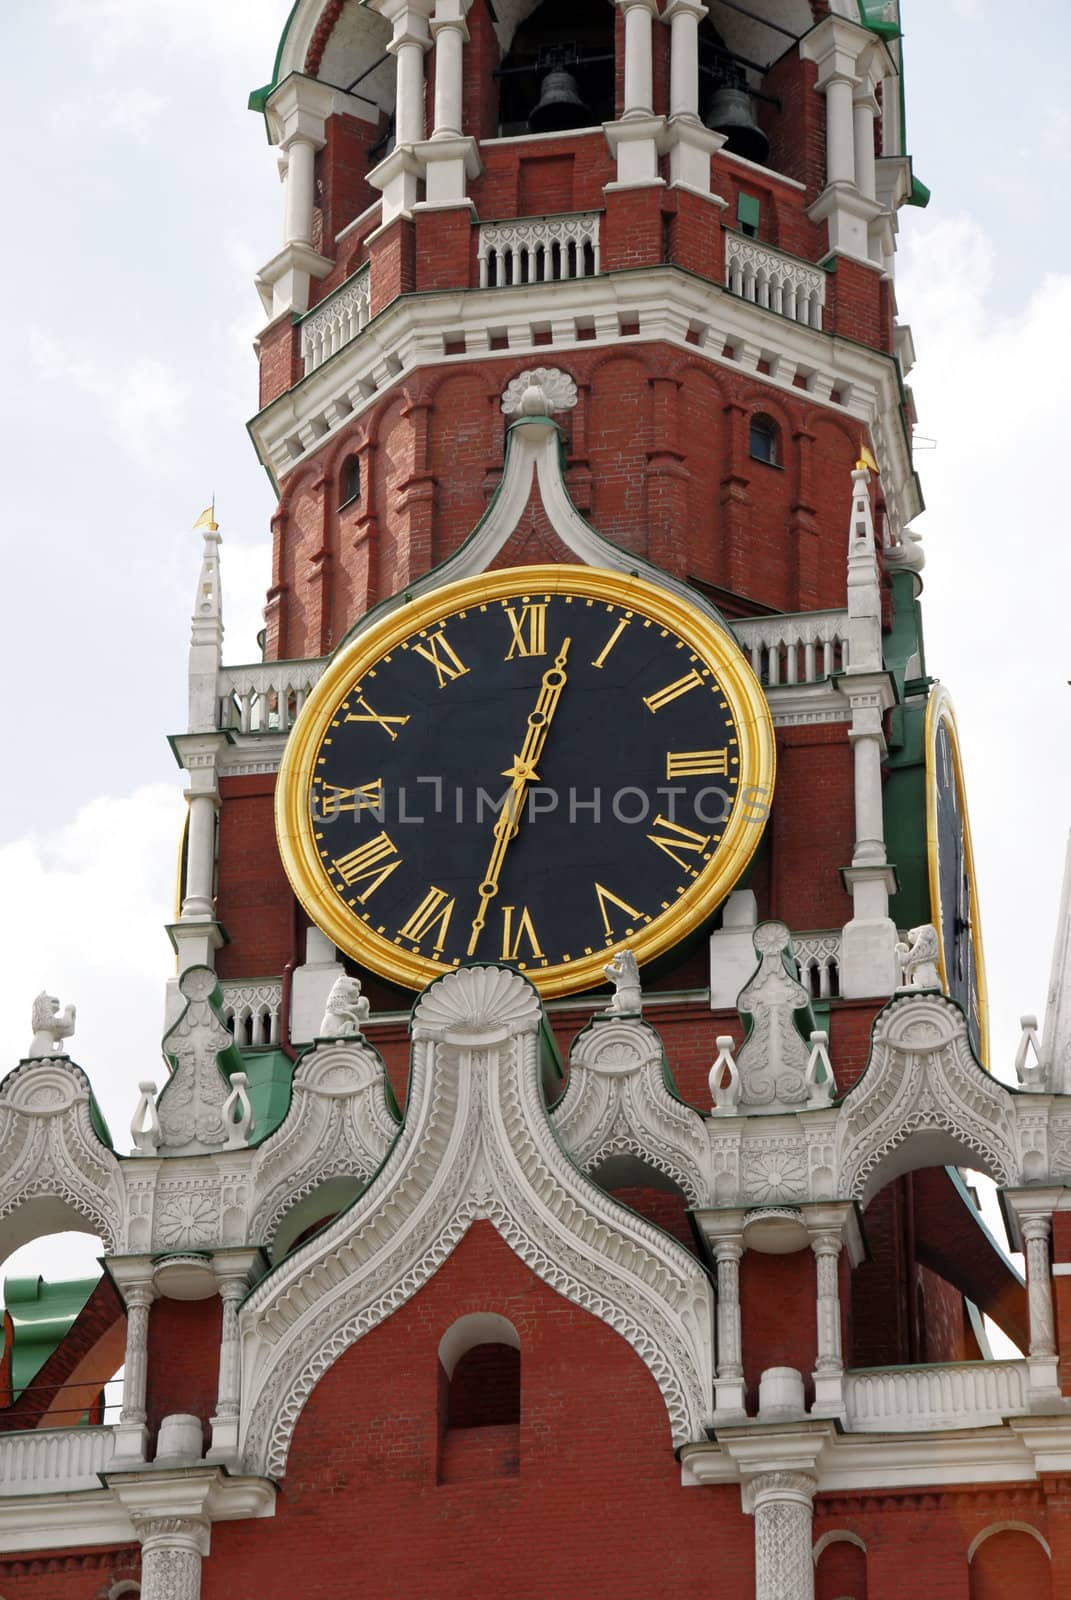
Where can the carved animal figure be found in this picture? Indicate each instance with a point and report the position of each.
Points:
(50, 1025)
(347, 1010)
(918, 959)
(624, 974)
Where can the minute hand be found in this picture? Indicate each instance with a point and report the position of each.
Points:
(523, 772)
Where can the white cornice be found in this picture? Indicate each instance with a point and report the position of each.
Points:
(667, 305)
(104, 1516)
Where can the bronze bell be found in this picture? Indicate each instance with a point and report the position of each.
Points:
(560, 105)
(731, 113)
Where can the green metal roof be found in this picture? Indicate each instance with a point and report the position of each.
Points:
(42, 1315)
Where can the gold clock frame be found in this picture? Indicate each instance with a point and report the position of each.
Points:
(293, 823)
(940, 709)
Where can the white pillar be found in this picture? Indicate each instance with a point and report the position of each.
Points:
(829, 1367)
(410, 42)
(639, 94)
(199, 902)
(172, 1549)
(300, 190)
(840, 128)
(729, 1383)
(132, 1433)
(684, 17)
(783, 1504)
(450, 33)
(1035, 1231)
(864, 110)
(868, 746)
(232, 1290)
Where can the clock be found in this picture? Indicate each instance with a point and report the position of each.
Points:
(953, 889)
(535, 766)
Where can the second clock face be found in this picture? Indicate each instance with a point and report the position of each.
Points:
(535, 767)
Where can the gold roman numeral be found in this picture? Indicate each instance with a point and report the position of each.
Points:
(368, 715)
(604, 897)
(529, 631)
(431, 915)
(514, 932)
(365, 797)
(611, 641)
(672, 691)
(374, 861)
(697, 764)
(444, 658)
(679, 838)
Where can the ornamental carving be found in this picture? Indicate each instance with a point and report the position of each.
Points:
(202, 1054)
(772, 1061)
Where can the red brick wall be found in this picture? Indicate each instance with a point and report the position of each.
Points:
(183, 1360)
(70, 1574)
(254, 902)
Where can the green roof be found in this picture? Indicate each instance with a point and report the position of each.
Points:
(42, 1315)
(271, 1075)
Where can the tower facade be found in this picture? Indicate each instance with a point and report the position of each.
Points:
(578, 1035)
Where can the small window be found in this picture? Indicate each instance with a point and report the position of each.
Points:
(747, 214)
(349, 487)
(764, 441)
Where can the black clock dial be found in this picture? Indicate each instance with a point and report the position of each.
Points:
(953, 894)
(533, 776)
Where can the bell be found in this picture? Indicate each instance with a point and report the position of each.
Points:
(731, 113)
(560, 105)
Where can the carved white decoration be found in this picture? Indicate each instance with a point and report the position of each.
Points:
(539, 391)
(340, 1124)
(347, 1010)
(190, 1107)
(918, 959)
(50, 1026)
(773, 1058)
(968, 1394)
(617, 1103)
(145, 1124)
(476, 1140)
(265, 697)
(172, 1549)
(54, 1460)
(237, 1113)
(252, 1012)
(923, 1084)
(724, 1078)
(783, 1503)
(774, 1169)
(821, 1084)
(624, 974)
(337, 319)
(1036, 1232)
(781, 283)
(818, 963)
(800, 648)
(539, 250)
(1031, 1074)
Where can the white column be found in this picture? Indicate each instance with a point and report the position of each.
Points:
(450, 33)
(639, 94)
(684, 17)
(1044, 1373)
(868, 746)
(172, 1549)
(132, 1433)
(199, 903)
(410, 42)
(300, 190)
(864, 110)
(729, 1383)
(783, 1504)
(840, 128)
(232, 1290)
(829, 1367)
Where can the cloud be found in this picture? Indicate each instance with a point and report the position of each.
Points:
(142, 402)
(87, 906)
(989, 391)
(224, 29)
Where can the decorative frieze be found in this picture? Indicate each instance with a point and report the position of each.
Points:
(337, 319)
(777, 282)
(538, 250)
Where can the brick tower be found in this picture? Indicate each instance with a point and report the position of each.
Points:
(579, 1032)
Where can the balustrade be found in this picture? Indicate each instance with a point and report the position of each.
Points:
(804, 647)
(539, 250)
(777, 282)
(336, 320)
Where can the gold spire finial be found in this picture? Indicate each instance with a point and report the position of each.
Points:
(207, 519)
(866, 460)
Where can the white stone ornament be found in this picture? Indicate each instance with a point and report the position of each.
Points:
(773, 1058)
(347, 1010)
(238, 1113)
(539, 392)
(624, 973)
(1031, 1074)
(203, 1055)
(50, 1027)
(724, 1078)
(145, 1124)
(918, 959)
(821, 1084)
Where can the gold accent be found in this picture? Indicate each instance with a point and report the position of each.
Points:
(939, 709)
(714, 647)
(207, 519)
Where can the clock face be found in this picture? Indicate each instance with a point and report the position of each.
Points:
(953, 891)
(536, 766)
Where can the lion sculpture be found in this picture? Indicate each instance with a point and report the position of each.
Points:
(624, 974)
(347, 1010)
(50, 1025)
(918, 959)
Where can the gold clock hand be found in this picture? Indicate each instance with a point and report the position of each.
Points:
(523, 772)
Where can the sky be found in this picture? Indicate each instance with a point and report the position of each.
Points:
(142, 197)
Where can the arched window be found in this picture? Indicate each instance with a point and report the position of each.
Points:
(479, 1399)
(349, 480)
(1010, 1559)
(764, 440)
(840, 1567)
(559, 72)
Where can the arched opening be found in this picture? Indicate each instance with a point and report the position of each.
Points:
(349, 481)
(559, 71)
(840, 1567)
(1010, 1559)
(645, 1189)
(479, 1399)
(313, 1212)
(764, 440)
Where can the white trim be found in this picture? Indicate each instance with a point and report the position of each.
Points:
(837, 1536)
(1006, 1527)
(479, 1327)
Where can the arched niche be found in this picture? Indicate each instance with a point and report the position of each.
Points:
(1010, 1558)
(574, 35)
(311, 1212)
(357, 41)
